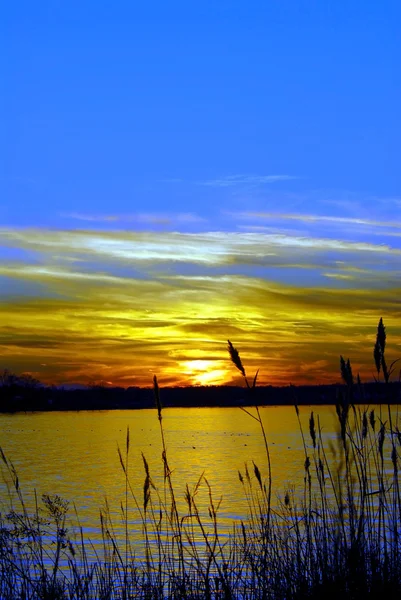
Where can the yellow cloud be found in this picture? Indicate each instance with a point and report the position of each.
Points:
(120, 306)
(309, 218)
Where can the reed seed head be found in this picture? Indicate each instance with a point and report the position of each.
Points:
(372, 419)
(364, 425)
(156, 392)
(378, 351)
(235, 358)
(312, 429)
(346, 371)
(146, 492)
(121, 460)
(394, 458)
(145, 464)
(382, 432)
(377, 356)
(127, 440)
(257, 474)
(381, 335)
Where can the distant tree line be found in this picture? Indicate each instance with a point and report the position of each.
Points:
(25, 393)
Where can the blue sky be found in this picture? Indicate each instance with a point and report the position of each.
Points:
(150, 107)
(267, 131)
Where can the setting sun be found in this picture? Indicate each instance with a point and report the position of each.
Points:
(204, 372)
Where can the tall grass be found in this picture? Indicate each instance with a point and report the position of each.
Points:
(338, 536)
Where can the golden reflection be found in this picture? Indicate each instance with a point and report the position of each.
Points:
(48, 449)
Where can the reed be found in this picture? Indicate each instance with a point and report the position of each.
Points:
(338, 536)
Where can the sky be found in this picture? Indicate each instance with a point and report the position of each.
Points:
(176, 174)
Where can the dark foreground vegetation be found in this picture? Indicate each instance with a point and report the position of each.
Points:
(337, 537)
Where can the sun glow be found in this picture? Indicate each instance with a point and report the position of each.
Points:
(204, 372)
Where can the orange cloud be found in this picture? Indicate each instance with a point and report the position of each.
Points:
(119, 306)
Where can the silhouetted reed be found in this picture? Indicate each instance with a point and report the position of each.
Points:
(338, 536)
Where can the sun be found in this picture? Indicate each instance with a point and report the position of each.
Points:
(205, 372)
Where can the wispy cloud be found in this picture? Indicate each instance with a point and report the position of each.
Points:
(138, 218)
(243, 180)
(353, 203)
(167, 218)
(91, 218)
(317, 225)
(310, 218)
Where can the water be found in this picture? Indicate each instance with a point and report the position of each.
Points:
(74, 455)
